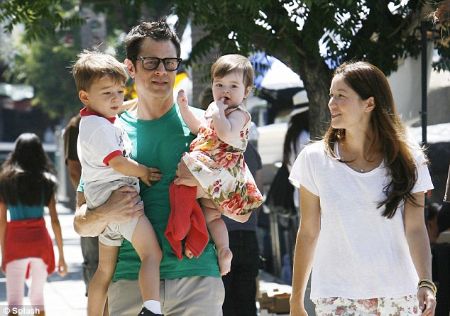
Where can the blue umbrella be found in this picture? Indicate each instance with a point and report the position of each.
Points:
(261, 64)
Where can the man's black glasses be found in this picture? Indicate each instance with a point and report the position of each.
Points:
(151, 63)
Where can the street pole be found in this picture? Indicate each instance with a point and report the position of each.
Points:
(423, 29)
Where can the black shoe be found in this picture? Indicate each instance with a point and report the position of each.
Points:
(146, 312)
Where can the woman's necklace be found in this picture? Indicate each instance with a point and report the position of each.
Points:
(350, 162)
(358, 169)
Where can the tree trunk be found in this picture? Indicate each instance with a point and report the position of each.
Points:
(316, 78)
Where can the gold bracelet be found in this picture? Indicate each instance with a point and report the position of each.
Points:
(428, 287)
(427, 281)
(428, 284)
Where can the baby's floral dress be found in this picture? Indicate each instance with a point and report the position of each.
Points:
(220, 168)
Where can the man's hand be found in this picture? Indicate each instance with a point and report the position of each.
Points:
(123, 204)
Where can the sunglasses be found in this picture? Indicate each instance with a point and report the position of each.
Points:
(151, 63)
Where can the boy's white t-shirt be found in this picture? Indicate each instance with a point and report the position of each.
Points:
(99, 141)
(360, 253)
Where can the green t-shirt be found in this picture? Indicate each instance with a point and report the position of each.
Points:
(160, 144)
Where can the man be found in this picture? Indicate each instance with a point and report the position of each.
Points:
(159, 137)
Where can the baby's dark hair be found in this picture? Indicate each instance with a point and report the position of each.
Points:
(230, 63)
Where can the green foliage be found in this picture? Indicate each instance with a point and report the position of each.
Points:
(292, 29)
(40, 18)
(311, 36)
(46, 65)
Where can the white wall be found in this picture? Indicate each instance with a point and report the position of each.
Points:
(406, 86)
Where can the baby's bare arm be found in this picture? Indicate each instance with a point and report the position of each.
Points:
(228, 127)
(188, 117)
(129, 167)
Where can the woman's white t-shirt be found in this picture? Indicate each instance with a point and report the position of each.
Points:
(360, 253)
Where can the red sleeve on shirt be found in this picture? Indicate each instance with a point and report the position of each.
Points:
(110, 156)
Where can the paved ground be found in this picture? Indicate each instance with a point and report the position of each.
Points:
(65, 296)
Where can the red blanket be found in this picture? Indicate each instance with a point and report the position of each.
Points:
(186, 221)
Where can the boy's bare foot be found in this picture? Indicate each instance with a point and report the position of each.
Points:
(188, 253)
(224, 256)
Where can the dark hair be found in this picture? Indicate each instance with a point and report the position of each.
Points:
(158, 31)
(27, 176)
(431, 211)
(297, 124)
(389, 133)
(443, 219)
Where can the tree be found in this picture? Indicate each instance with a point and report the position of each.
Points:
(380, 32)
(442, 19)
(39, 18)
(51, 29)
(45, 64)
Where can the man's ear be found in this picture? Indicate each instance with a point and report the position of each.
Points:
(370, 104)
(130, 67)
(84, 97)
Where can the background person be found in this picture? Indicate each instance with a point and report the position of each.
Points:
(89, 245)
(441, 257)
(27, 185)
(431, 221)
(362, 201)
(241, 282)
(297, 137)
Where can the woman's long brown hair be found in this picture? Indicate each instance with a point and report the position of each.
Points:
(388, 132)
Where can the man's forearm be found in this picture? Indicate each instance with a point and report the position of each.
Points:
(122, 205)
(74, 168)
(88, 224)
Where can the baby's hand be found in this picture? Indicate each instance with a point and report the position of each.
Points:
(221, 105)
(150, 175)
(182, 100)
(217, 107)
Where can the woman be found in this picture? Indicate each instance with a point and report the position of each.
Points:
(297, 137)
(362, 199)
(27, 185)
